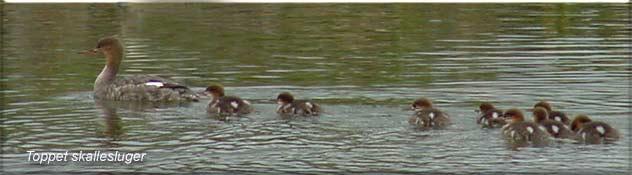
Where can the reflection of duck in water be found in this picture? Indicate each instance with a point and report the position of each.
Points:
(490, 117)
(133, 88)
(593, 132)
(522, 133)
(426, 116)
(226, 105)
(288, 105)
(113, 123)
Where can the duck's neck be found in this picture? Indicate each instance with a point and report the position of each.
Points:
(108, 74)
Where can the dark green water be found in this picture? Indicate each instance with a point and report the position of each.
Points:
(363, 63)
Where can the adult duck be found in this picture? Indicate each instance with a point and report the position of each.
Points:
(133, 88)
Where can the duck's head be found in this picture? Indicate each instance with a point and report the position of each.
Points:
(108, 45)
(285, 98)
(513, 115)
(540, 114)
(579, 121)
(215, 90)
(543, 104)
(485, 106)
(421, 103)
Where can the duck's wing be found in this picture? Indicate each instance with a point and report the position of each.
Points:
(156, 86)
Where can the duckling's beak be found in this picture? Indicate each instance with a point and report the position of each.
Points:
(410, 108)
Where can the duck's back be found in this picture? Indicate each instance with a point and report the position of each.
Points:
(430, 117)
(557, 129)
(525, 132)
(492, 119)
(146, 88)
(301, 107)
(230, 105)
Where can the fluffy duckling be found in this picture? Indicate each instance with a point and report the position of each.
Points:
(226, 105)
(555, 128)
(490, 117)
(593, 132)
(288, 105)
(521, 132)
(426, 116)
(553, 115)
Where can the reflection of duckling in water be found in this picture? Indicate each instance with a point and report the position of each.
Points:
(555, 128)
(593, 132)
(133, 88)
(520, 132)
(288, 105)
(490, 117)
(426, 116)
(226, 105)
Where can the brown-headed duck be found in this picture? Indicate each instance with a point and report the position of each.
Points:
(133, 88)
(289, 106)
(490, 117)
(555, 128)
(522, 132)
(553, 115)
(593, 132)
(226, 105)
(426, 116)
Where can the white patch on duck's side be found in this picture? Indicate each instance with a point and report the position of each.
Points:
(583, 135)
(542, 127)
(530, 129)
(417, 121)
(558, 118)
(157, 84)
(555, 129)
(513, 133)
(432, 123)
(432, 115)
(309, 105)
(234, 104)
(484, 121)
(601, 130)
(495, 115)
(247, 102)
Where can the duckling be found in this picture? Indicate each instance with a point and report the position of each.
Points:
(555, 128)
(226, 105)
(593, 132)
(521, 132)
(287, 105)
(553, 115)
(426, 116)
(490, 117)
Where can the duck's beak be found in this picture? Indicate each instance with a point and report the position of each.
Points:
(91, 51)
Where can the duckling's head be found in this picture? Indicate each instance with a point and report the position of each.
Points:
(513, 115)
(285, 98)
(485, 106)
(215, 90)
(540, 114)
(422, 103)
(543, 104)
(579, 121)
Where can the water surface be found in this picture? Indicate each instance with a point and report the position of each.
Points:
(363, 63)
